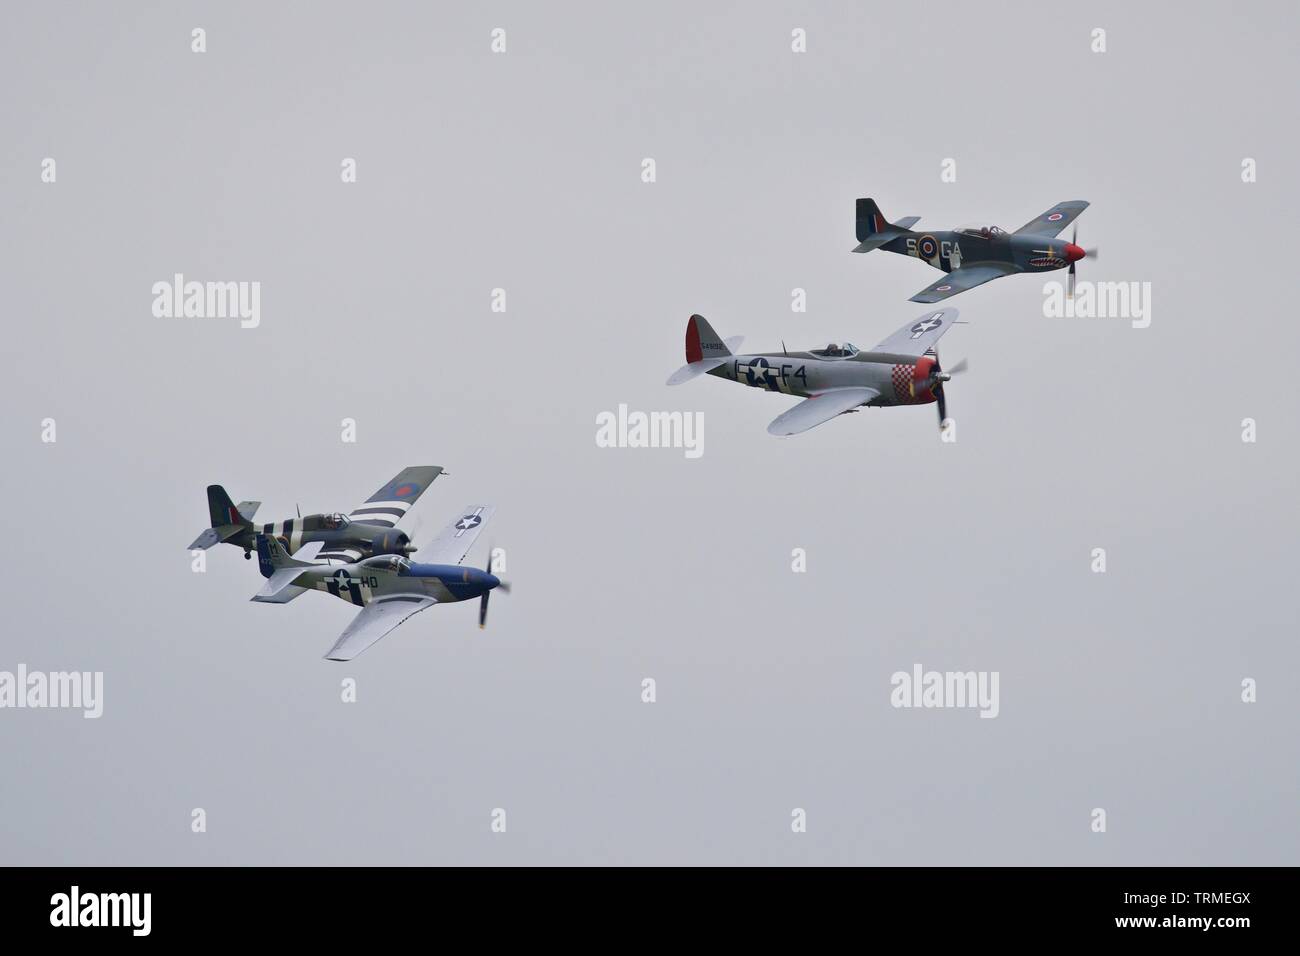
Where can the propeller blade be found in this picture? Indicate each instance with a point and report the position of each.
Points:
(482, 610)
(942, 402)
(1091, 253)
(1070, 282)
(503, 586)
(413, 523)
(960, 367)
(1074, 236)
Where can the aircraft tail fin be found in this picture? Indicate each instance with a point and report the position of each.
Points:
(227, 520)
(223, 512)
(874, 230)
(702, 342)
(271, 556)
(705, 350)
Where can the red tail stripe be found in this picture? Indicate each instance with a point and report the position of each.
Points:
(694, 352)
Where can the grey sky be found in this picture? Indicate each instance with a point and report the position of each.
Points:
(521, 171)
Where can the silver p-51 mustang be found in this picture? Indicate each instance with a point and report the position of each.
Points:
(388, 588)
(902, 370)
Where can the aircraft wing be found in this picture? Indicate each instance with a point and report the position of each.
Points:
(1055, 219)
(452, 543)
(374, 621)
(915, 338)
(819, 408)
(966, 277)
(389, 504)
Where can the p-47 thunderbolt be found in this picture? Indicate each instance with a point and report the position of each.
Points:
(902, 370)
(976, 254)
(378, 526)
(388, 588)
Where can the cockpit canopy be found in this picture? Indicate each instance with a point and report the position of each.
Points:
(388, 562)
(984, 232)
(834, 350)
(334, 522)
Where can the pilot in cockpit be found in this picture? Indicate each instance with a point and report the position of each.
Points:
(985, 232)
(388, 562)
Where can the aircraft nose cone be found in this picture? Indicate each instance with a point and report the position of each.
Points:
(491, 580)
(1073, 253)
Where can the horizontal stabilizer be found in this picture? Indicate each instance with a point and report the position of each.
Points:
(279, 587)
(247, 509)
(308, 552)
(215, 536)
(696, 369)
(876, 241)
(892, 231)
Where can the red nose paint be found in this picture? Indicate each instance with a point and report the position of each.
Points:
(1073, 253)
(920, 372)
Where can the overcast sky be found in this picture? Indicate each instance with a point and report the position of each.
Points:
(522, 171)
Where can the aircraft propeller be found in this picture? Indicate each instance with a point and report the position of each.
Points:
(1088, 253)
(935, 385)
(483, 601)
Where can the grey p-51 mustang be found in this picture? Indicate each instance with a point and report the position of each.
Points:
(974, 255)
(388, 588)
(902, 370)
(378, 526)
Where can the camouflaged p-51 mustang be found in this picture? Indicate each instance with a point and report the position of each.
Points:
(976, 254)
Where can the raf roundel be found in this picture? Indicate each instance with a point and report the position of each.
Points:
(928, 247)
(1055, 217)
(407, 489)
